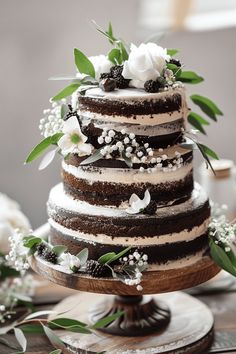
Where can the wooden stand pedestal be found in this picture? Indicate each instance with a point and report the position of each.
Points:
(190, 329)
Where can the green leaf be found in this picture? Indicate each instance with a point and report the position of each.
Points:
(110, 31)
(5, 342)
(64, 110)
(32, 328)
(38, 314)
(83, 256)
(119, 255)
(93, 158)
(42, 146)
(59, 249)
(53, 338)
(188, 146)
(7, 272)
(196, 121)
(115, 56)
(20, 337)
(22, 297)
(83, 63)
(127, 160)
(190, 77)
(207, 106)
(67, 322)
(205, 156)
(57, 351)
(32, 241)
(106, 257)
(208, 151)
(124, 54)
(67, 91)
(221, 258)
(107, 320)
(172, 52)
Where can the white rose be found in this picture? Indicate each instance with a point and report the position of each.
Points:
(145, 62)
(101, 65)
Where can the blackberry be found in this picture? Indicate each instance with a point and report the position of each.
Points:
(50, 256)
(105, 76)
(97, 270)
(41, 248)
(152, 86)
(108, 84)
(175, 61)
(116, 73)
(151, 208)
(115, 154)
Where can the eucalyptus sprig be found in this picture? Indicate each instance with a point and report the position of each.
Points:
(35, 324)
(205, 151)
(84, 66)
(119, 53)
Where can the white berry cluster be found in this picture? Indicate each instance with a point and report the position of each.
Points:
(123, 143)
(17, 257)
(139, 262)
(157, 163)
(52, 122)
(223, 233)
(11, 290)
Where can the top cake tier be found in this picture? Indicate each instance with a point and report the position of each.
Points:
(155, 118)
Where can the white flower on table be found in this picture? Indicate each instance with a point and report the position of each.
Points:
(73, 140)
(145, 62)
(70, 262)
(137, 205)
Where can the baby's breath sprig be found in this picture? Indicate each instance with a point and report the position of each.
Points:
(222, 241)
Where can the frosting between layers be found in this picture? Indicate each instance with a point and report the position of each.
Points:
(59, 198)
(176, 264)
(149, 119)
(185, 235)
(145, 130)
(126, 176)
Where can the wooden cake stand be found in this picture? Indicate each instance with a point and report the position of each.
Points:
(167, 323)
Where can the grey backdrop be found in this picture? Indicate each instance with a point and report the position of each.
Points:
(37, 39)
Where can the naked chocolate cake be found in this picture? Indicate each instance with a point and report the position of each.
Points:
(90, 208)
(127, 171)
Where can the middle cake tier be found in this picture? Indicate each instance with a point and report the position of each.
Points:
(168, 176)
(173, 236)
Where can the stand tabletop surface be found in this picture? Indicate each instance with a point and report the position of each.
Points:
(218, 295)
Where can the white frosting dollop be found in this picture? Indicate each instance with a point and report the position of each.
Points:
(11, 217)
(145, 62)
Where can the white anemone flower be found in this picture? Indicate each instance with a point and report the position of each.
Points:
(137, 205)
(70, 262)
(73, 140)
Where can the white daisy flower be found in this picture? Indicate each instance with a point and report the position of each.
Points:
(73, 140)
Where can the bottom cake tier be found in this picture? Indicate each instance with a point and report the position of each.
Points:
(174, 237)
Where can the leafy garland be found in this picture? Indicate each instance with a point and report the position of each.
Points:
(35, 323)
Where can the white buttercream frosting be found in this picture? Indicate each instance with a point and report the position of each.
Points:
(184, 235)
(126, 176)
(59, 198)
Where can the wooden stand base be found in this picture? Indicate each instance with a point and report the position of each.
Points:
(190, 329)
(142, 315)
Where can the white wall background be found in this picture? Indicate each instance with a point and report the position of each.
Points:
(37, 40)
